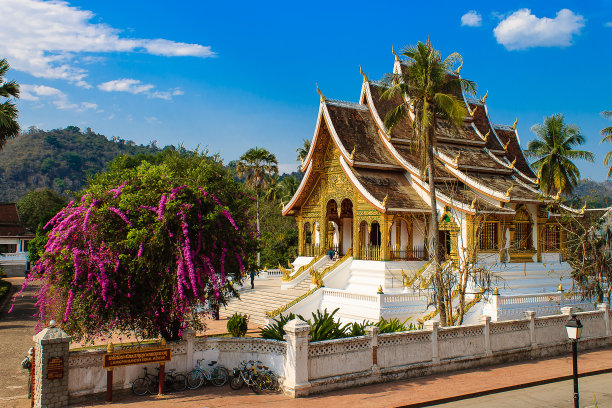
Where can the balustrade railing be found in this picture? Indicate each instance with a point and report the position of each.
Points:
(311, 250)
(370, 253)
(399, 253)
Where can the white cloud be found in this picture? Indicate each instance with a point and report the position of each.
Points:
(471, 19)
(135, 86)
(522, 29)
(46, 39)
(58, 98)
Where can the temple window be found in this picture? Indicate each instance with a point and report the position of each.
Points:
(487, 236)
(551, 241)
(523, 229)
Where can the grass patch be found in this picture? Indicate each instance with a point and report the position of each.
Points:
(5, 289)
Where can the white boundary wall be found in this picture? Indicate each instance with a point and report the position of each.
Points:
(306, 367)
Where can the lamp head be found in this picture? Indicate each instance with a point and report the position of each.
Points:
(574, 328)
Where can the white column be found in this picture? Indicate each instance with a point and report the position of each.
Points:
(372, 331)
(433, 326)
(530, 315)
(606, 315)
(189, 337)
(296, 360)
(486, 320)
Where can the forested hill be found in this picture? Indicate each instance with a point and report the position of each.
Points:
(59, 159)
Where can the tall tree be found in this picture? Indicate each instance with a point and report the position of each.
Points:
(607, 137)
(554, 152)
(256, 166)
(431, 88)
(303, 151)
(9, 127)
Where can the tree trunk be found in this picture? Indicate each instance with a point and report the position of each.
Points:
(433, 237)
(258, 235)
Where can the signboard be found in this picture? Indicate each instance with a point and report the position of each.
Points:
(138, 356)
(55, 368)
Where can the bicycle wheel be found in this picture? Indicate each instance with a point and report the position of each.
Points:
(219, 376)
(236, 383)
(139, 386)
(274, 381)
(153, 387)
(179, 382)
(195, 379)
(256, 385)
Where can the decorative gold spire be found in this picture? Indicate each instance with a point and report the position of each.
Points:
(380, 291)
(583, 208)
(506, 145)
(558, 195)
(474, 111)
(456, 161)
(320, 94)
(110, 348)
(560, 288)
(496, 291)
(395, 54)
(384, 201)
(487, 135)
(458, 70)
(484, 98)
(513, 163)
(365, 78)
(352, 156)
(514, 124)
(473, 205)
(509, 190)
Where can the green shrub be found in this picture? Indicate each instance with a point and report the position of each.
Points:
(394, 325)
(2, 273)
(324, 327)
(237, 325)
(276, 330)
(5, 289)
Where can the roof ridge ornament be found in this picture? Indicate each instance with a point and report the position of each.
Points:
(365, 78)
(458, 70)
(514, 124)
(583, 208)
(484, 98)
(352, 156)
(487, 135)
(513, 163)
(384, 201)
(509, 190)
(473, 205)
(320, 94)
(558, 195)
(456, 161)
(395, 54)
(506, 145)
(474, 111)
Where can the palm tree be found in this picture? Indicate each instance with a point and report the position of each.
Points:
(289, 186)
(607, 137)
(303, 152)
(554, 151)
(9, 127)
(430, 87)
(256, 166)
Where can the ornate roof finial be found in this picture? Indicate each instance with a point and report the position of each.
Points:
(473, 205)
(558, 195)
(484, 98)
(514, 125)
(509, 190)
(365, 78)
(456, 161)
(513, 163)
(380, 290)
(506, 145)
(458, 70)
(560, 288)
(474, 111)
(496, 291)
(583, 208)
(384, 201)
(487, 135)
(320, 94)
(394, 53)
(352, 156)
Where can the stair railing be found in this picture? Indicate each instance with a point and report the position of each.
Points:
(289, 275)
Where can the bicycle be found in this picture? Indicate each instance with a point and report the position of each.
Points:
(141, 385)
(269, 380)
(173, 381)
(247, 374)
(217, 375)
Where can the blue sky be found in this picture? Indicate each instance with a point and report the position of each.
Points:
(230, 76)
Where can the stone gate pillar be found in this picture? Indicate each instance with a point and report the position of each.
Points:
(296, 360)
(51, 368)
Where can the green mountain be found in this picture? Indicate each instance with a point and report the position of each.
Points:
(596, 194)
(59, 159)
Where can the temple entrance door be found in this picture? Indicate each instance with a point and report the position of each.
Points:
(444, 244)
(346, 226)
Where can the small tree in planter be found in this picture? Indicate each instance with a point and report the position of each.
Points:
(237, 325)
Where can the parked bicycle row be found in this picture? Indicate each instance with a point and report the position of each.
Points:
(253, 374)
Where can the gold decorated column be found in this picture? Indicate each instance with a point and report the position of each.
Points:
(300, 225)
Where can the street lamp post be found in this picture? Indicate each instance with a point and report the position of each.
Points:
(574, 331)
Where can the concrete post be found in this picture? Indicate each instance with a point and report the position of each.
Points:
(51, 368)
(433, 326)
(568, 311)
(296, 360)
(486, 320)
(189, 337)
(372, 331)
(530, 315)
(606, 315)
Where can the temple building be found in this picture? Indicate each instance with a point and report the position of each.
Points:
(364, 196)
(14, 240)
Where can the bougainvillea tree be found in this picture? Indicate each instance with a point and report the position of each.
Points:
(146, 250)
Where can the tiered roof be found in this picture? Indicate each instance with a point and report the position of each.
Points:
(478, 168)
(10, 224)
